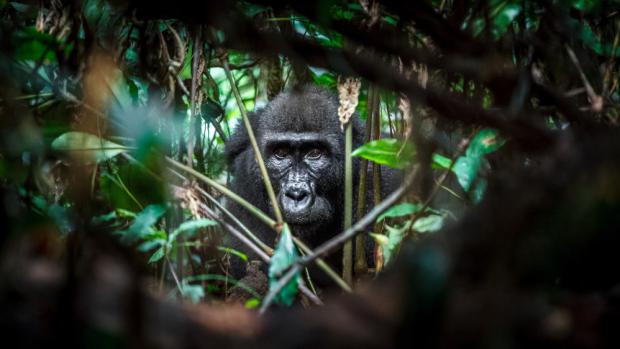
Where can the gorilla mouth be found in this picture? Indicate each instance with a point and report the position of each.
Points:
(305, 211)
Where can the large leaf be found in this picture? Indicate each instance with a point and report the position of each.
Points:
(390, 243)
(429, 224)
(467, 167)
(466, 170)
(400, 210)
(142, 226)
(87, 147)
(190, 227)
(283, 257)
(484, 142)
(387, 151)
(31, 45)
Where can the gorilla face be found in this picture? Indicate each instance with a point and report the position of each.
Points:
(302, 144)
(299, 165)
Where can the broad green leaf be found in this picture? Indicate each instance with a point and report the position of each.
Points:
(387, 151)
(395, 237)
(484, 142)
(32, 45)
(283, 257)
(429, 223)
(440, 161)
(400, 210)
(504, 17)
(87, 147)
(194, 292)
(142, 226)
(159, 254)
(191, 226)
(466, 170)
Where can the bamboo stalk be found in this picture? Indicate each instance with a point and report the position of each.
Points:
(347, 251)
(257, 153)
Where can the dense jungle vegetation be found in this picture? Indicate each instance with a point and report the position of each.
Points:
(500, 115)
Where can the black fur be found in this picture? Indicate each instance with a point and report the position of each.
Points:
(307, 110)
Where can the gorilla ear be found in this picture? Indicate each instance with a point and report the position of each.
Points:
(239, 140)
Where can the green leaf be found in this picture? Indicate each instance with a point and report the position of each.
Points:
(194, 292)
(387, 151)
(252, 303)
(429, 223)
(283, 257)
(159, 254)
(504, 17)
(87, 147)
(395, 237)
(586, 5)
(440, 161)
(142, 226)
(484, 142)
(31, 45)
(191, 226)
(234, 252)
(466, 169)
(400, 210)
(468, 166)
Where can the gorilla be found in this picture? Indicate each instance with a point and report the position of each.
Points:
(302, 143)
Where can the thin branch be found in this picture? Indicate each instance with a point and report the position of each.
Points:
(257, 153)
(332, 244)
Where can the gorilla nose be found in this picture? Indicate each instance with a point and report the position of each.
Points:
(296, 199)
(296, 194)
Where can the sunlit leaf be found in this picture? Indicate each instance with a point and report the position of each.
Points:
(466, 170)
(484, 142)
(387, 151)
(232, 251)
(190, 227)
(400, 210)
(87, 147)
(31, 45)
(142, 226)
(194, 292)
(284, 256)
(429, 224)
(158, 255)
(252, 303)
(440, 161)
(395, 237)
(504, 17)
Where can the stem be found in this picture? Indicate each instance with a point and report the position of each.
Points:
(332, 244)
(361, 266)
(221, 188)
(255, 248)
(320, 262)
(257, 153)
(347, 251)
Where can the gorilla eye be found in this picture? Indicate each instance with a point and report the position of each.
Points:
(280, 153)
(314, 154)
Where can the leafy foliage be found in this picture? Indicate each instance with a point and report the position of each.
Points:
(284, 256)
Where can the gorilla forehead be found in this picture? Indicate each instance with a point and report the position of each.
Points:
(304, 109)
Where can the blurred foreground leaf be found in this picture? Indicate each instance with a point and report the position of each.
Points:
(87, 147)
(387, 151)
(283, 257)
